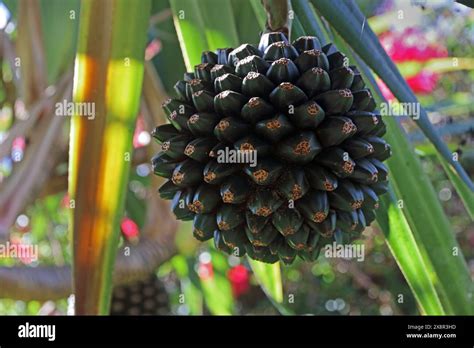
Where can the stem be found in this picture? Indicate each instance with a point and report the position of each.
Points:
(277, 15)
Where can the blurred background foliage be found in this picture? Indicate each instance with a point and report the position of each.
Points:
(198, 280)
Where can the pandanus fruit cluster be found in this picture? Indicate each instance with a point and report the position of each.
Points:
(311, 123)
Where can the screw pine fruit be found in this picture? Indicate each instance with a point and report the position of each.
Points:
(311, 123)
(143, 297)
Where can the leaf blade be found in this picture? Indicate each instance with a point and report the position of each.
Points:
(348, 20)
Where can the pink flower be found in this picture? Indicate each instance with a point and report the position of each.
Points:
(130, 230)
(139, 128)
(424, 82)
(408, 46)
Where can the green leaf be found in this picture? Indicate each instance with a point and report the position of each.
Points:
(169, 61)
(248, 27)
(108, 75)
(216, 289)
(309, 21)
(190, 29)
(269, 278)
(259, 13)
(59, 21)
(348, 20)
(297, 29)
(220, 25)
(414, 266)
(190, 286)
(466, 195)
(425, 216)
(207, 25)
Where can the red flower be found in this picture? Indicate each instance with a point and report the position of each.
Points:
(239, 279)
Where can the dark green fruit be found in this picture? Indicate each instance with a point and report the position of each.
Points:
(205, 200)
(293, 184)
(204, 226)
(283, 70)
(287, 221)
(265, 173)
(257, 85)
(255, 222)
(334, 130)
(187, 173)
(202, 123)
(307, 116)
(286, 94)
(228, 81)
(273, 151)
(262, 238)
(365, 121)
(234, 190)
(337, 160)
(179, 205)
(298, 240)
(335, 101)
(168, 190)
(264, 203)
(142, 297)
(346, 197)
(229, 103)
(163, 165)
(199, 149)
(164, 132)
(320, 178)
(229, 217)
(314, 206)
(256, 109)
(275, 128)
(365, 172)
(251, 64)
(312, 59)
(230, 129)
(305, 43)
(341, 78)
(279, 50)
(300, 148)
(253, 143)
(314, 81)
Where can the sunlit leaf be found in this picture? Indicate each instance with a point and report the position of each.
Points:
(108, 79)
